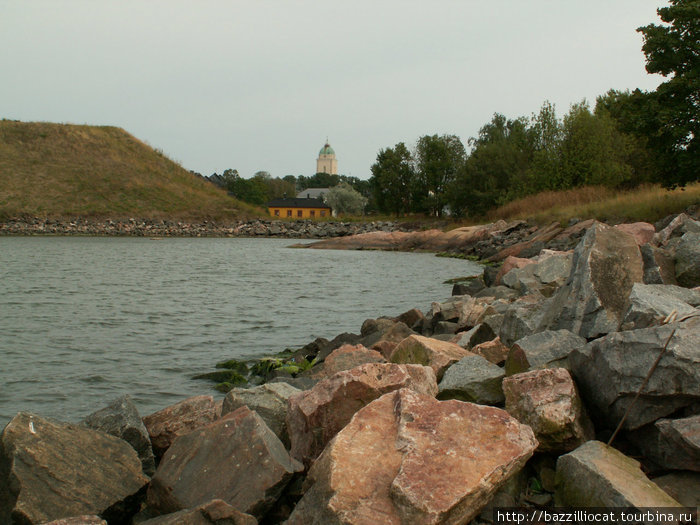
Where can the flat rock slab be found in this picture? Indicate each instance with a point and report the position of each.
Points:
(268, 400)
(436, 354)
(215, 512)
(548, 402)
(473, 379)
(237, 459)
(408, 458)
(51, 470)
(121, 419)
(316, 415)
(609, 372)
(178, 419)
(596, 475)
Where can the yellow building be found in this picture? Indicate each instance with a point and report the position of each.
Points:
(305, 208)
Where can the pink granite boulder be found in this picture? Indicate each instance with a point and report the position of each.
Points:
(436, 354)
(237, 459)
(408, 458)
(547, 401)
(316, 415)
(178, 419)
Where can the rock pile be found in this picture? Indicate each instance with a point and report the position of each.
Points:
(300, 229)
(502, 396)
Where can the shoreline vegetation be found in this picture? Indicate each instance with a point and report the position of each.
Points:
(515, 392)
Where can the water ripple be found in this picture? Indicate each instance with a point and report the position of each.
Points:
(86, 319)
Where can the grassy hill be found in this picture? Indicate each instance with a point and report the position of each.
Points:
(63, 170)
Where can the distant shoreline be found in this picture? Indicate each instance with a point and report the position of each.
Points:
(134, 227)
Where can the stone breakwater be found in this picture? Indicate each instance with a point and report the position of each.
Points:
(166, 228)
(521, 390)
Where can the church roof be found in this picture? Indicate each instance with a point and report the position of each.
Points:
(326, 150)
(314, 193)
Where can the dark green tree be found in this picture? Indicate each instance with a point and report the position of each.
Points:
(438, 160)
(593, 150)
(495, 169)
(393, 180)
(673, 50)
(546, 135)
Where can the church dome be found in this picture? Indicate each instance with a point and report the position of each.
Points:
(326, 150)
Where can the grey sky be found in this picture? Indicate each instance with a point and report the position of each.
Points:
(258, 85)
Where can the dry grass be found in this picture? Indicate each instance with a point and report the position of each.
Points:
(647, 203)
(62, 170)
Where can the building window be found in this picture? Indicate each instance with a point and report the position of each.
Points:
(299, 212)
(323, 213)
(277, 213)
(313, 213)
(289, 213)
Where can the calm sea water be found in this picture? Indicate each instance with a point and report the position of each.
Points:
(86, 319)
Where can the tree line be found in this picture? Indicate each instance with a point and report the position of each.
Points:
(626, 139)
(346, 194)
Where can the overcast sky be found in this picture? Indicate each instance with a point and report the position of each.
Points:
(259, 85)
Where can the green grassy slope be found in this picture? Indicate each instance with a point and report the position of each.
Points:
(63, 170)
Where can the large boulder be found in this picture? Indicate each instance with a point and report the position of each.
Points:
(688, 260)
(474, 379)
(548, 349)
(408, 458)
(679, 226)
(316, 415)
(215, 512)
(650, 304)
(522, 318)
(237, 459)
(606, 263)
(547, 401)
(596, 475)
(609, 371)
(268, 400)
(493, 351)
(682, 486)
(510, 264)
(178, 419)
(480, 333)
(672, 443)
(347, 357)
(51, 470)
(436, 354)
(643, 232)
(380, 331)
(122, 419)
(659, 267)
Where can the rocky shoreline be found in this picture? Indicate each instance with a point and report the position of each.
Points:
(567, 376)
(302, 229)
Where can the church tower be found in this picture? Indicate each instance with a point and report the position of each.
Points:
(326, 162)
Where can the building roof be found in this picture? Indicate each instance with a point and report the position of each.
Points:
(313, 193)
(326, 150)
(297, 203)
